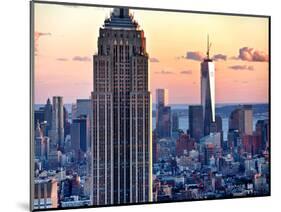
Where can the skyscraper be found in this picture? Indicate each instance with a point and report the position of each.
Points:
(242, 119)
(38, 140)
(195, 114)
(79, 135)
(48, 116)
(175, 122)
(208, 91)
(162, 97)
(184, 144)
(163, 114)
(57, 131)
(121, 119)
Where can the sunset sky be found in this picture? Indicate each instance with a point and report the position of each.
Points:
(66, 40)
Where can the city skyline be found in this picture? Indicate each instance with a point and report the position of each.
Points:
(238, 68)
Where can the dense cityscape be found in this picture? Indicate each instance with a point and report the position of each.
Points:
(117, 147)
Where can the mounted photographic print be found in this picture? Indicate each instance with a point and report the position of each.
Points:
(138, 105)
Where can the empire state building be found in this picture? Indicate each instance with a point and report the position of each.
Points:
(121, 118)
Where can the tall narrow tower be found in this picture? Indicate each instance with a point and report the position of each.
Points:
(121, 119)
(208, 91)
(57, 131)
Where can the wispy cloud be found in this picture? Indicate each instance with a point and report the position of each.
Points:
(186, 72)
(154, 60)
(242, 67)
(62, 59)
(179, 57)
(164, 72)
(81, 58)
(37, 35)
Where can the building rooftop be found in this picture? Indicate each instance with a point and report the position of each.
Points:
(120, 18)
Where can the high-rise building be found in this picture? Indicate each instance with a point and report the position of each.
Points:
(57, 132)
(262, 128)
(247, 120)
(242, 119)
(233, 121)
(82, 107)
(252, 144)
(175, 122)
(164, 122)
(45, 194)
(38, 140)
(79, 135)
(196, 127)
(48, 116)
(163, 114)
(208, 91)
(45, 149)
(121, 99)
(184, 144)
(154, 146)
(162, 97)
(39, 116)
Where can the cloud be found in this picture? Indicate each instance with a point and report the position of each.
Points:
(81, 58)
(37, 35)
(241, 67)
(154, 60)
(164, 72)
(179, 57)
(186, 72)
(62, 59)
(250, 54)
(198, 56)
(219, 57)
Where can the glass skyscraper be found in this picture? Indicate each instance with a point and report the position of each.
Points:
(208, 91)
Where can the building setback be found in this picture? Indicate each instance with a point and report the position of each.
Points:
(121, 118)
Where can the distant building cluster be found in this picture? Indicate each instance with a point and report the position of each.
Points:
(62, 159)
(200, 163)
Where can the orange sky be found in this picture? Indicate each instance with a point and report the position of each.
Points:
(66, 39)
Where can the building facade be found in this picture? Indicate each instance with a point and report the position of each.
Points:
(208, 92)
(57, 131)
(163, 114)
(121, 118)
(196, 127)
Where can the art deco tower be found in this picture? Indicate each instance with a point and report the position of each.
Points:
(208, 91)
(121, 119)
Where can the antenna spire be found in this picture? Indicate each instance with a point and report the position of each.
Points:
(208, 47)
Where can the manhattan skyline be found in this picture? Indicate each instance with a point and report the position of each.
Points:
(173, 65)
(112, 147)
